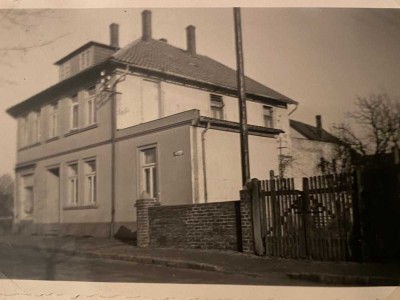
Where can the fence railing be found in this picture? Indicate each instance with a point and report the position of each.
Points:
(315, 222)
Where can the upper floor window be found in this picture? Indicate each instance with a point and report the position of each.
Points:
(24, 131)
(36, 127)
(53, 120)
(216, 106)
(74, 113)
(268, 116)
(91, 111)
(84, 60)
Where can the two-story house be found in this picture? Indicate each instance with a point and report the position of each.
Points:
(148, 117)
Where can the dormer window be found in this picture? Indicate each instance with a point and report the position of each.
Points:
(84, 60)
(216, 107)
(65, 70)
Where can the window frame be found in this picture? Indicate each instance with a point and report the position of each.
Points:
(36, 135)
(24, 131)
(53, 130)
(74, 102)
(72, 181)
(153, 168)
(268, 118)
(90, 182)
(217, 107)
(91, 114)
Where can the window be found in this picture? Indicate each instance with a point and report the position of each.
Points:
(36, 128)
(53, 120)
(24, 131)
(149, 172)
(27, 196)
(217, 107)
(73, 184)
(65, 70)
(84, 60)
(74, 112)
(268, 117)
(90, 182)
(91, 111)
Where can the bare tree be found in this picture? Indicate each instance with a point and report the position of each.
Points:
(378, 121)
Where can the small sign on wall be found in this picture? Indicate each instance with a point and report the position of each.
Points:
(178, 153)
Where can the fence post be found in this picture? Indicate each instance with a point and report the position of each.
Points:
(306, 215)
(246, 220)
(142, 219)
(256, 208)
(357, 239)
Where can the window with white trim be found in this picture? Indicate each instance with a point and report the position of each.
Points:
(73, 191)
(36, 127)
(24, 131)
(53, 120)
(90, 182)
(91, 111)
(148, 178)
(216, 107)
(268, 113)
(74, 112)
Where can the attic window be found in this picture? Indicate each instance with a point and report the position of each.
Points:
(216, 106)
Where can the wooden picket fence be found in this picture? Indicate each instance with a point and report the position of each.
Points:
(315, 222)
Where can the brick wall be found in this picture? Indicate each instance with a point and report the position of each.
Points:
(207, 226)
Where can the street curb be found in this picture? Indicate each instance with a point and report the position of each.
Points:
(345, 279)
(131, 258)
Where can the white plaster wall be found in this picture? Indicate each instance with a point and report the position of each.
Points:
(306, 157)
(129, 102)
(176, 98)
(223, 163)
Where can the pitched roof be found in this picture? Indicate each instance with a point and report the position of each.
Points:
(160, 56)
(311, 132)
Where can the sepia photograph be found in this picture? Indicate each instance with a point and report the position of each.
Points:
(210, 146)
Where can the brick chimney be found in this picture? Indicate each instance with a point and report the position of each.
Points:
(114, 35)
(191, 39)
(146, 25)
(318, 121)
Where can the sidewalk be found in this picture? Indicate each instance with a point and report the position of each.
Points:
(331, 273)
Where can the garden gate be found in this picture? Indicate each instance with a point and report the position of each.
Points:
(315, 223)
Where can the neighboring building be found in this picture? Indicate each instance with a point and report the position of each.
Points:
(149, 117)
(313, 150)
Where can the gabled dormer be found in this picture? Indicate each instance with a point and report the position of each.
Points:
(90, 54)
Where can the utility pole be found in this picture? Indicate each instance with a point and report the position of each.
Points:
(244, 140)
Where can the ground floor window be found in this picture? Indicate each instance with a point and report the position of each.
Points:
(90, 181)
(73, 195)
(27, 195)
(148, 180)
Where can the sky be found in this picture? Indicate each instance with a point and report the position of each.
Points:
(321, 57)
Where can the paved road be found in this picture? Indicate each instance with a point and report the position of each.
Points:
(41, 265)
